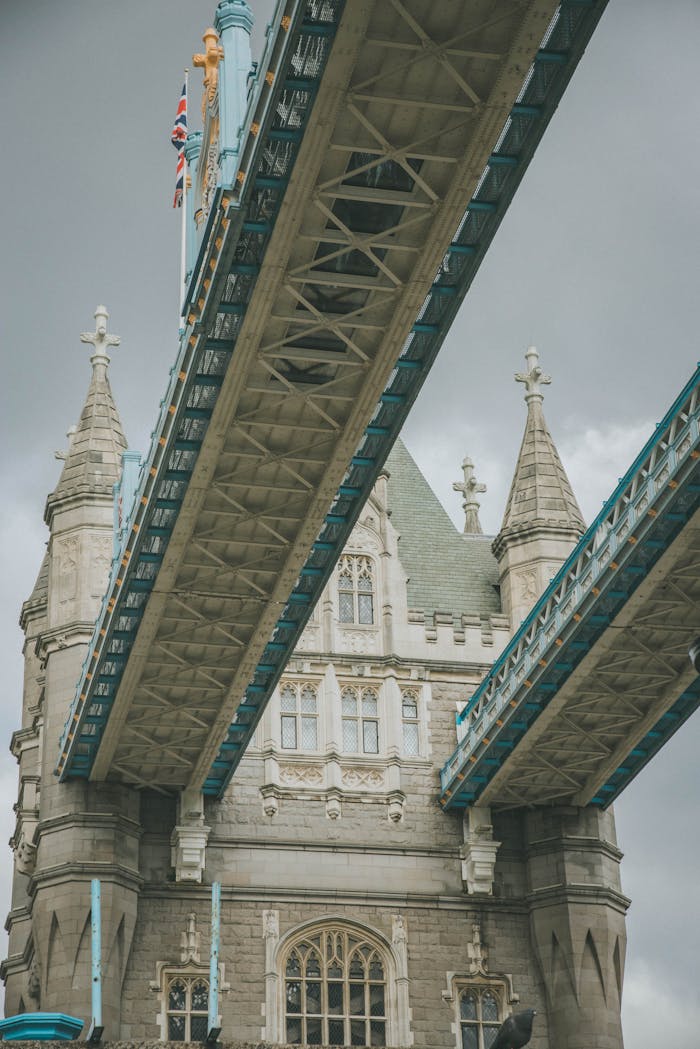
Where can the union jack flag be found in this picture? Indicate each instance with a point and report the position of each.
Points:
(178, 140)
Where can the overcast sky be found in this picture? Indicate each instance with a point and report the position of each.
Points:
(596, 263)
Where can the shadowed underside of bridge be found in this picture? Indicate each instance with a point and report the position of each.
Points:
(598, 677)
(379, 155)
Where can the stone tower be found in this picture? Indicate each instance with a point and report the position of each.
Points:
(413, 927)
(68, 833)
(542, 521)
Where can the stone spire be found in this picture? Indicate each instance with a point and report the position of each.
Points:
(542, 520)
(469, 487)
(540, 491)
(93, 459)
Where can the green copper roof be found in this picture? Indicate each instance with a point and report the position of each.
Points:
(447, 571)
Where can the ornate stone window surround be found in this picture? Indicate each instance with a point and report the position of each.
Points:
(362, 707)
(459, 985)
(357, 567)
(189, 968)
(394, 956)
(297, 682)
(168, 971)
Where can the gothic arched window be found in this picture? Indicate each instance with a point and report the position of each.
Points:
(187, 1008)
(360, 717)
(355, 590)
(299, 716)
(409, 722)
(335, 983)
(479, 1016)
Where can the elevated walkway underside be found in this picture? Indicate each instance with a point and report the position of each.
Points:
(379, 155)
(598, 677)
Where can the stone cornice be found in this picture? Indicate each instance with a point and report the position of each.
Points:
(60, 637)
(69, 873)
(17, 914)
(341, 659)
(91, 819)
(24, 739)
(79, 496)
(574, 843)
(571, 892)
(516, 535)
(32, 609)
(415, 900)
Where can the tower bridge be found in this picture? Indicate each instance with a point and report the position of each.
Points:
(343, 198)
(343, 194)
(598, 676)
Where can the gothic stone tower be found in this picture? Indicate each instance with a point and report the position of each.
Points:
(576, 905)
(68, 833)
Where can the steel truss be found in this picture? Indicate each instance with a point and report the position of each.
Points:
(598, 677)
(368, 191)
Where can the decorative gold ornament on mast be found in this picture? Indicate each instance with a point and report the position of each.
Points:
(209, 62)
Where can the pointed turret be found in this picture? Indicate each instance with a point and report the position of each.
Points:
(542, 520)
(93, 460)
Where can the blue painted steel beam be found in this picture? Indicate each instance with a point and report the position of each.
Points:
(519, 140)
(214, 1018)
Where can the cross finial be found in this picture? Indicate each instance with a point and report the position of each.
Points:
(101, 340)
(534, 377)
(469, 487)
(209, 62)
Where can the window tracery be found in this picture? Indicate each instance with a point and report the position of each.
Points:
(335, 984)
(298, 716)
(480, 1016)
(360, 719)
(410, 722)
(187, 1008)
(356, 590)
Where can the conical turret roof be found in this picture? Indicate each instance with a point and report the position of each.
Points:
(93, 460)
(541, 493)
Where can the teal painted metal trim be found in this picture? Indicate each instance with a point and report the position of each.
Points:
(96, 955)
(40, 1027)
(214, 1021)
(588, 587)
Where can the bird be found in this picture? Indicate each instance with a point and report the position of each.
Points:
(515, 1031)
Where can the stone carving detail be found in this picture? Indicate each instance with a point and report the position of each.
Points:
(271, 925)
(309, 640)
(477, 952)
(478, 854)
(357, 641)
(25, 853)
(100, 565)
(301, 775)
(189, 942)
(67, 555)
(526, 582)
(211, 175)
(356, 778)
(334, 808)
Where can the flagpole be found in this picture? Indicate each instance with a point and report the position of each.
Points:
(183, 225)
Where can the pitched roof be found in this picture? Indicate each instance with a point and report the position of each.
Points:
(540, 494)
(541, 491)
(447, 570)
(93, 460)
